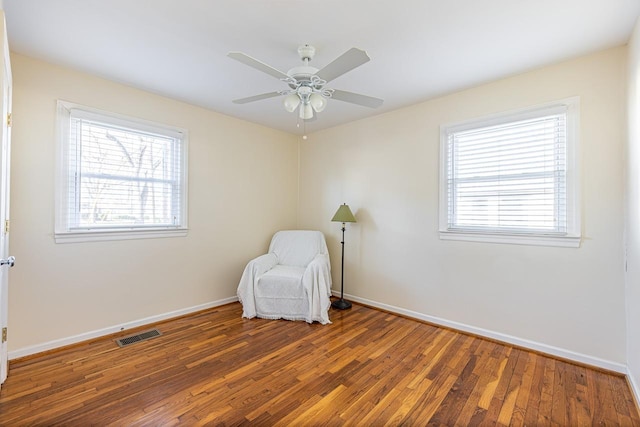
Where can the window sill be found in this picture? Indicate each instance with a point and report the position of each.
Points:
(514, 239)
(97, 236)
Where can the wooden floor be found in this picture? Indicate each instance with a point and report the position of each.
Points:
(367, 368)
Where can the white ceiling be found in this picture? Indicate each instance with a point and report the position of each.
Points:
(419, 49)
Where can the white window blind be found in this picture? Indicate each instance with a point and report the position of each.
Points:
(121, 175)
(510, 176)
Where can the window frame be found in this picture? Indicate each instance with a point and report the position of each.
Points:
(63, 193)
(572, 237)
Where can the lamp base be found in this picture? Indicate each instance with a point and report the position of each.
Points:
(341, 304)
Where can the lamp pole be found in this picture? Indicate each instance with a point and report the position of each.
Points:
(341, 304)
(343, 215)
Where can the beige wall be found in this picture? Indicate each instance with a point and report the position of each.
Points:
(243, 185)
(567, 301)
(632, 220)
(242, 188)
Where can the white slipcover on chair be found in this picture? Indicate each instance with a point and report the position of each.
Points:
(292, 281)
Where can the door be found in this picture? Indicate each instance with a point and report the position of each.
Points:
(5, 157)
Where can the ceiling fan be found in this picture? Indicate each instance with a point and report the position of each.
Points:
(307, 90)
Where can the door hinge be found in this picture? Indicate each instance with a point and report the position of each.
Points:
(4, 334)
(9, 119)
(7, 225)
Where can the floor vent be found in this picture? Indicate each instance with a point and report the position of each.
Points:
(142, 336)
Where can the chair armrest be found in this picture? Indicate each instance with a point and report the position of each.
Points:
(317, 282)
(263, 263)
(254, 269)
(320, 270)
(320, 260)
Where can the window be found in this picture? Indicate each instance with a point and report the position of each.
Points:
(512, 178)
(119, 178)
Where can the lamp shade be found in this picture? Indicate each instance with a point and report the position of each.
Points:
(306, 112)
(343, 214)
(318, 102)
(291, 102)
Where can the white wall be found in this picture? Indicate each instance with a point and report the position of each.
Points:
(632, 220)
(562, 300)
(242, 188)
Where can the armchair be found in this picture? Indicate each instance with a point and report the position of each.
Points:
(292, 281)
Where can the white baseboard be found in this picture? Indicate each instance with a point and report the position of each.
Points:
(507, 339)
(50, 345)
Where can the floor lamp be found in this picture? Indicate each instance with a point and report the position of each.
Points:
(343, 215)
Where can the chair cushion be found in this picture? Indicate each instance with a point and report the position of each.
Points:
(282, 281)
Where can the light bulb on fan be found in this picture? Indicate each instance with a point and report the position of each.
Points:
(306, 112)
(318, 102)
(291, 102)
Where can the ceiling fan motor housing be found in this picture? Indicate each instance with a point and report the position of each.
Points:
(302, 74)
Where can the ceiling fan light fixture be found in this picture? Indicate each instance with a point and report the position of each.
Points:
(318, 102)
(291, 102)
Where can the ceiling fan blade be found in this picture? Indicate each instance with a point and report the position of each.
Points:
(258, 65)
(356, 98)
(256, 97)
(344, 63)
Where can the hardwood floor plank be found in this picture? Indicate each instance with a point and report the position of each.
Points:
(508, 415)
(605, 396)
(458, 395)
(546, 393)
(367, 368)
(487, 395)
(617, 386)
(409, 399)
(499, 396)
(431, 400)
(433, 356)
(572, 373)
(483, 370)
(559, 404)
(526, 380)
(535, 391)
